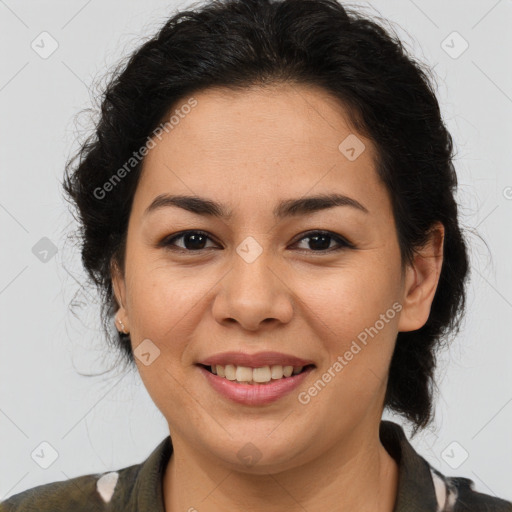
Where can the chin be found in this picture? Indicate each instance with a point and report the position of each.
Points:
(262, 455)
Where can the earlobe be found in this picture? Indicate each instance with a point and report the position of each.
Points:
(118, 286)
(421, 281)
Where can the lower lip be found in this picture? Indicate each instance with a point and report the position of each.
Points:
(254, 394)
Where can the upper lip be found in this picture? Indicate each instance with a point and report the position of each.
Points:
(255, 360)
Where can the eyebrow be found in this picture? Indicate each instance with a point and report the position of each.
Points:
(286, 208)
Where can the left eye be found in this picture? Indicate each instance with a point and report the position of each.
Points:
(319, 241)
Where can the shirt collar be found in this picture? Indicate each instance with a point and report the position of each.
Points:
(415, 487)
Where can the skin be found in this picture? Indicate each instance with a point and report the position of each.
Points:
(249, 150)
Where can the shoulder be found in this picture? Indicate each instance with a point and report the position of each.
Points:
(132, 488)
(79, 494)
(458, 494)
(421, 486)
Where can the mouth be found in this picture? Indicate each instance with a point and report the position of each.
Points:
(254, 380)
(263, 375)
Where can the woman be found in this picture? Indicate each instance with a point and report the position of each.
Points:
(268, 209)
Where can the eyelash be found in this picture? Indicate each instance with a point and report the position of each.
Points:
(343, 243)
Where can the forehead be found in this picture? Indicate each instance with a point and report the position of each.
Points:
(261, 142)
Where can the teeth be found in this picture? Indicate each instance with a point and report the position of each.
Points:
(230, 372)
(243, 374)
(277, 372)
(260, 375)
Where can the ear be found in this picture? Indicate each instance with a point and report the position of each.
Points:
(119, 288)
(421, 280)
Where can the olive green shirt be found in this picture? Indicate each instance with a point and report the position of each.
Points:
(421, 488)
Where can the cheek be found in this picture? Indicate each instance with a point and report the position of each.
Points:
(166, 306)
(348, 300)
(160, 296)
(354, 314)
(163, 309)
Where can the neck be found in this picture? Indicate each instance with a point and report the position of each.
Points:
(357, 474)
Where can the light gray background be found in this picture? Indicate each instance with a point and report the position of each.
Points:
(101, 423)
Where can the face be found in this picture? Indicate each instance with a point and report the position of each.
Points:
(277, 280)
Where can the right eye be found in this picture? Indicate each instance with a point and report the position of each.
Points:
(192, 241)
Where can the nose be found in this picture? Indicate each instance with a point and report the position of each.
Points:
(253, 295)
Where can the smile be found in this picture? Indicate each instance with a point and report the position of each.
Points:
(254, 376)
(251, 393)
